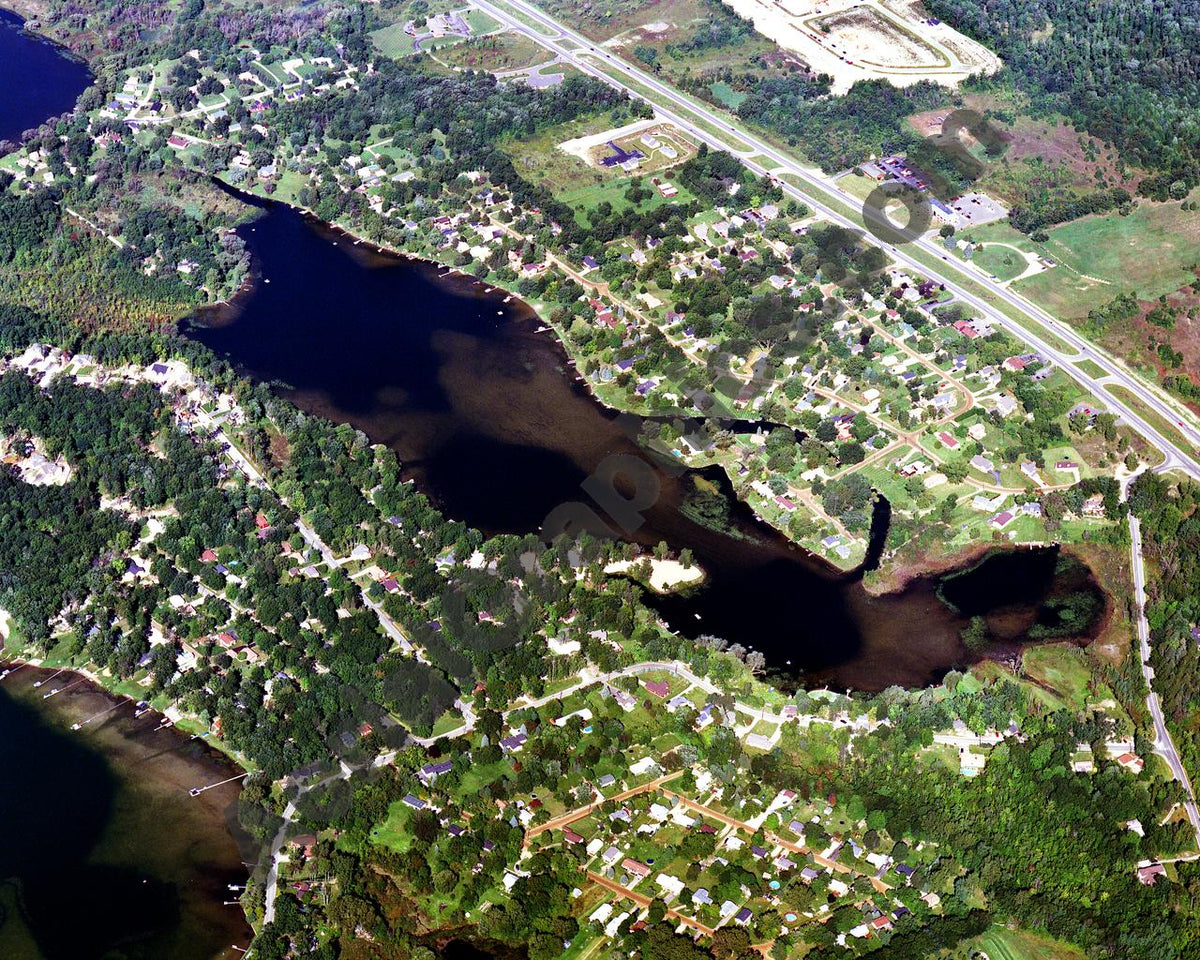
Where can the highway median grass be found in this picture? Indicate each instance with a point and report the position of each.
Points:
(1092, 369)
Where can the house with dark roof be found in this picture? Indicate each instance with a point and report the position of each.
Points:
(431, 771)
(514, 743)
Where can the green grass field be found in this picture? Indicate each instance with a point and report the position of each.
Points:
(503, 51)
(273, 74)
(1150, 253)
(394, 832)
(1062, 668)
(1000, 261)
(481, 22)
(392, 41)
(1000, 943)
(726, 94)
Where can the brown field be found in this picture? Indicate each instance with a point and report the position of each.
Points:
(495, 53)
(1133, 340)
(680, 16)
(1059, 145)
(1039, 155)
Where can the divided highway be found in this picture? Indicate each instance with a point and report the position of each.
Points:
(821, 195)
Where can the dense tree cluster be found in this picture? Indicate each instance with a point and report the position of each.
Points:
(839, 132)
(1128, 73)
(1170, 518)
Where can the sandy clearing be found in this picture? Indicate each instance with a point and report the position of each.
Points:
(877, 40)
(665, 575)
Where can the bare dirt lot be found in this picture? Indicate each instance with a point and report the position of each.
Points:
(879, 41)
(853, 40)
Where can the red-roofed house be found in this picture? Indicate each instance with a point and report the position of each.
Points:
(635, 867)
(1131, 761)
(659, 688)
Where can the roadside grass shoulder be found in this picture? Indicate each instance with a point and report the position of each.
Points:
(1092, 369)
(1165, 427)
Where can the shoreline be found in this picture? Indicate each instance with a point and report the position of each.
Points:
(894, 576)
(538, 325)
(173, 717)
(153, 823)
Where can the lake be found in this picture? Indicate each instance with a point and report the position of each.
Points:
(37, 79)
(491, 421)
(104, 852)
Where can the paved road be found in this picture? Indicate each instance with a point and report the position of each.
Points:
(1163, 744)
(643, 901)
(822, 195)
(289, 813)
(680, 669)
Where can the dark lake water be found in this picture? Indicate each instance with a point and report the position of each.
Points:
(103, 853)
(492, 423)
(37, 80)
